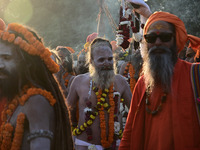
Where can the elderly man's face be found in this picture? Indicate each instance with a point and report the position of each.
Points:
(160, 55)
(103, 57)
(160, 34)
(101, 66)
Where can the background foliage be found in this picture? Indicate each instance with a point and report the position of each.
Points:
(69, 22)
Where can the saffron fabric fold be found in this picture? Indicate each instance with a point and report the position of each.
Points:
(175, 127)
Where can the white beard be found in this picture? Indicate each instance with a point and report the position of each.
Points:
(102, 78)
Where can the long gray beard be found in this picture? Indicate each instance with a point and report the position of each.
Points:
(102, 78)
(158, 68)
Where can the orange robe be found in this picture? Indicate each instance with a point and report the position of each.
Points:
(174, 127)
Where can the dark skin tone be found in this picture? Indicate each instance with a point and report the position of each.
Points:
(39, 113)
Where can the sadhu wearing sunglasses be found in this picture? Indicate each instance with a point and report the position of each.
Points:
(164, 114)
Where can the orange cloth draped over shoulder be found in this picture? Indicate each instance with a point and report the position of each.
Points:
(181, 34)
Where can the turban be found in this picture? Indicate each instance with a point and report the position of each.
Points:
(89, 39)
(181, 34)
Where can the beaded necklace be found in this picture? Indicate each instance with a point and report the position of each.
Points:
(154, 112)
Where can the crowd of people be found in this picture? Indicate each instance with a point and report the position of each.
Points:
(152, 101)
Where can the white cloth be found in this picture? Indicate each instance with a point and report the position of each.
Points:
(89, 145)
(83, 143)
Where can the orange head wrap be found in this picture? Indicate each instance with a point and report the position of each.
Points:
(181, 34)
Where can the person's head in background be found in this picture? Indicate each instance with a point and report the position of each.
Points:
(65, 58)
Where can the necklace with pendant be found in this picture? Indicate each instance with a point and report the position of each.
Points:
(154, 112)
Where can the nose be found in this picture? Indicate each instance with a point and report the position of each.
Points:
(2, 65)
(107, 63)
(158, 41)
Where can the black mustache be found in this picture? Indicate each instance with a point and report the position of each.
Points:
(107, 68)
(161, 48)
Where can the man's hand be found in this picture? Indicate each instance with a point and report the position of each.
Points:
(140, 7)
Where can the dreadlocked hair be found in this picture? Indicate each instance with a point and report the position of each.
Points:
(38, 75)
(36, 72)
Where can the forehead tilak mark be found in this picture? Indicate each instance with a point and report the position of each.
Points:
(158, 27)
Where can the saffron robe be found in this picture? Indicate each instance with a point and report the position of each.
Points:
(174, 127)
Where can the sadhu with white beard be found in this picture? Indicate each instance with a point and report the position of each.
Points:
(163, 114)
(98, 93)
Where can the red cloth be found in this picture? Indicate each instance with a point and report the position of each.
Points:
(181, 34)
(2, 104)
(175, 127)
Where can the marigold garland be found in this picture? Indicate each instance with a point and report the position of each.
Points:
(66, 80)
(132, 79)
(106, 143)
(19, 132)
(101, 107)
(6, 129)
(32, 46)
(36, 91)
(6, 136)
(129, 73)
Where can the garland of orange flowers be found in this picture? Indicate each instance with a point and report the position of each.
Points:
(36, 91)
(106, 143)
(19, 132)
(130, 69)
(132, 79)
(30, 45)
(6, 129)
(66, 81)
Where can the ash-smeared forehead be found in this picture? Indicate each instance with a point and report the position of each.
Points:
(161, 25)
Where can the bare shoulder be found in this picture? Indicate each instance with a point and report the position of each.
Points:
(120, 83)
(38, 106)
(122, 68)
(81, 78)
(119, 78)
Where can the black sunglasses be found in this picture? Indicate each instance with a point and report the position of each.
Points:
(164, 37)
